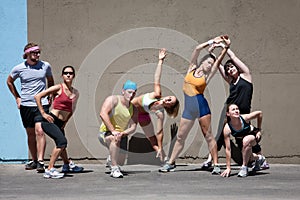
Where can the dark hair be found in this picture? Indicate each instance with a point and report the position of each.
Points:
(207, 56)
(68, 66)
(227, 110)
(173, 110)
(29, 45)
(230, 62)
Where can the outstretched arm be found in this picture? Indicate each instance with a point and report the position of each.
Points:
(258, 115)
(219, 58)
(157, 75)
(197, 50)
(226, 133)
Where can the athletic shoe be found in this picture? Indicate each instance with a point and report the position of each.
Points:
(71, 167)
(243, 172)
(40, 166)
(265, 165)
(116, 172)
(52, 173)
(206, 165)
(216, 170)
(167, 168)
(259, 162)
(31, 165)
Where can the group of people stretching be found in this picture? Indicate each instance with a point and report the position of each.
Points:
(199, 74)
(120, 114)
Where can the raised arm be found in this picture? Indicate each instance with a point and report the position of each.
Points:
(219, 58)
(244, 70)
(157, 75)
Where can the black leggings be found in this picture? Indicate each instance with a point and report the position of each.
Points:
(55, 131)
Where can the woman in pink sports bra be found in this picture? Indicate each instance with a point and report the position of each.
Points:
(65, 99)
(153, 102)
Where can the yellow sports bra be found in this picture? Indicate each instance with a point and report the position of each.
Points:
(192, 85)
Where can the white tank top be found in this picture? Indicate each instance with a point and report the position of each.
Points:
(147, 101)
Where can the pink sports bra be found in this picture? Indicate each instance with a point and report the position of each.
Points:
(63, 102)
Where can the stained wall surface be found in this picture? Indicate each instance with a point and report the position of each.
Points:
(111, 41)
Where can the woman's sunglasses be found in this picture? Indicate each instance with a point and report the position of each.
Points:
(66, 73)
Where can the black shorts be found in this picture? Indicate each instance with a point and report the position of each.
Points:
(123, 142)
(31, 115)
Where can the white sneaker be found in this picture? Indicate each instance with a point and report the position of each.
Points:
(243, 172)
(115, 172)
(52, 173)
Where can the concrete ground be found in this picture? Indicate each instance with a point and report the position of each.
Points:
(281, 181)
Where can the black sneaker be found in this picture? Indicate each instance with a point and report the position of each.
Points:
(31, 165)
(40, 168)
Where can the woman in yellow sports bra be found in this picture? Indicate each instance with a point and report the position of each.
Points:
(195, 104)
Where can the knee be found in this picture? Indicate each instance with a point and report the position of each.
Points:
(39, 132)
(61, 143)
(247, 142)
(181, 139)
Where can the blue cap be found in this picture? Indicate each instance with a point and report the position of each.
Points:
(129, 85)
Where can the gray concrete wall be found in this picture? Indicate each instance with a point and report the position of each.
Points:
(110, 41)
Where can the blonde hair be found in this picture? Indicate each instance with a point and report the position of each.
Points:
(173, 110)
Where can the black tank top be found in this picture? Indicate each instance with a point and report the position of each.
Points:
(241, 95)
(246, 129)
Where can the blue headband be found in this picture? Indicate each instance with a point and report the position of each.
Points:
(129, 85)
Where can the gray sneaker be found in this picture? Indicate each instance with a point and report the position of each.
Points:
(216, 170)
(167, 168)
(258, 163)
(40, 166)
(243, 172)
(31, 165)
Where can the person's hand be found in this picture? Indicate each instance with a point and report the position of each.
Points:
(162, 54)
(258, 136)
(117, 135)
(49, 118)
(226, 40)
(18, 101)
(226, 173)
(220, 38)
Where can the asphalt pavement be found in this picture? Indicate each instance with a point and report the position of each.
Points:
(281, 181)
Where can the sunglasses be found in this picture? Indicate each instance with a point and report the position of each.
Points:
(35, 52)
(66, 73)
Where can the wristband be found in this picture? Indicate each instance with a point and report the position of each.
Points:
(210, 42)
